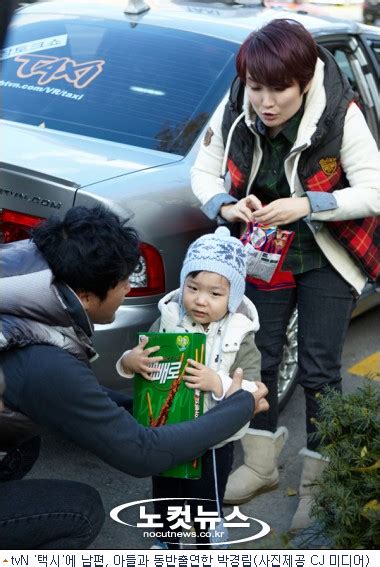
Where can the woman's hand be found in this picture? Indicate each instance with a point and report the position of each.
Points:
(242, 210)
(138, 360)
(201, 377)
(283, 211)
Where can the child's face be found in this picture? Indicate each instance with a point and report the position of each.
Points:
(205, 297)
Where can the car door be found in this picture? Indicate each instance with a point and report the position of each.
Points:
(372, 43)
(358, 56)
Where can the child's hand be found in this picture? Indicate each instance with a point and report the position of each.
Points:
(138, 360)
(201, 377)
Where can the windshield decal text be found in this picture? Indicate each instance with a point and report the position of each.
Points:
(47, 90)
(33, 46)
(80, 75)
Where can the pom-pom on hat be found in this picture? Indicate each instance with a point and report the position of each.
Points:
(220, 253)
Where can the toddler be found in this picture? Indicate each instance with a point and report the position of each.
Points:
(210, 300)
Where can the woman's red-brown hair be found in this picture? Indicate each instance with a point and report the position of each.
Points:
(277, 55)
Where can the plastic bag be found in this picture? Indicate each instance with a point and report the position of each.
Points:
(266, 248)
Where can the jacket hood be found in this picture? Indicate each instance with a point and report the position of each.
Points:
(26, 285)
(335, 87)
(169, 306)
(36, 310)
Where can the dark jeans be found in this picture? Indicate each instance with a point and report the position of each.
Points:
(325, 302)
(49, 514)
(19, 460)
(165, 487)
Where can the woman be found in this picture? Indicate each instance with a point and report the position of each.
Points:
(300, 156)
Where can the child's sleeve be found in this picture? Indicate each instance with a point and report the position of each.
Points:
(248, 358)
(119, 367)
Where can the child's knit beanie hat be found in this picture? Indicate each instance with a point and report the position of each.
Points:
(220, 253)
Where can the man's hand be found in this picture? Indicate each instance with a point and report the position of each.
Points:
(138, 359)
(283, 211)
(242, 210)
(261, 403)
(201, 377)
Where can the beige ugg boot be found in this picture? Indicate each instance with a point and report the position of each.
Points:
(313, 466)
(259, 472)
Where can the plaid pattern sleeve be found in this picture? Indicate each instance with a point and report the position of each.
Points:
(361, 237)
(323, 181)
(238, 178)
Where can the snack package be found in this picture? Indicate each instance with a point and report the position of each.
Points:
(266, 248)
(165, 398)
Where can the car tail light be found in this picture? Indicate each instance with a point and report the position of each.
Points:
(16, 226)
(147, 279)
(149, 276)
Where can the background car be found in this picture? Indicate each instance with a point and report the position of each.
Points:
(105, 105)
(371, 11)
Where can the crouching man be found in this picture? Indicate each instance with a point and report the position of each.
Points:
(53, 288)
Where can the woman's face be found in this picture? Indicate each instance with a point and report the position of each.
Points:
(272, 105)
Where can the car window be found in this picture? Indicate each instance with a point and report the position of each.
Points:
(343, 62)
(142, 85)
(375, 47)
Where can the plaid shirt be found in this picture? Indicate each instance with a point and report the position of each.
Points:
(270, 184)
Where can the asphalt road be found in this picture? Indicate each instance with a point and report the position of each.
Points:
(61, 459)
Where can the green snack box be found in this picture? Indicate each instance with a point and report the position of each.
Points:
(166, 399)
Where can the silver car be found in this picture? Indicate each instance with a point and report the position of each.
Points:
(103, 103)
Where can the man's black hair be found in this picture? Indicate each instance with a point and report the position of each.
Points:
(91, 249)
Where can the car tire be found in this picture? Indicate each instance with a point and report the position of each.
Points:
(287, 378)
